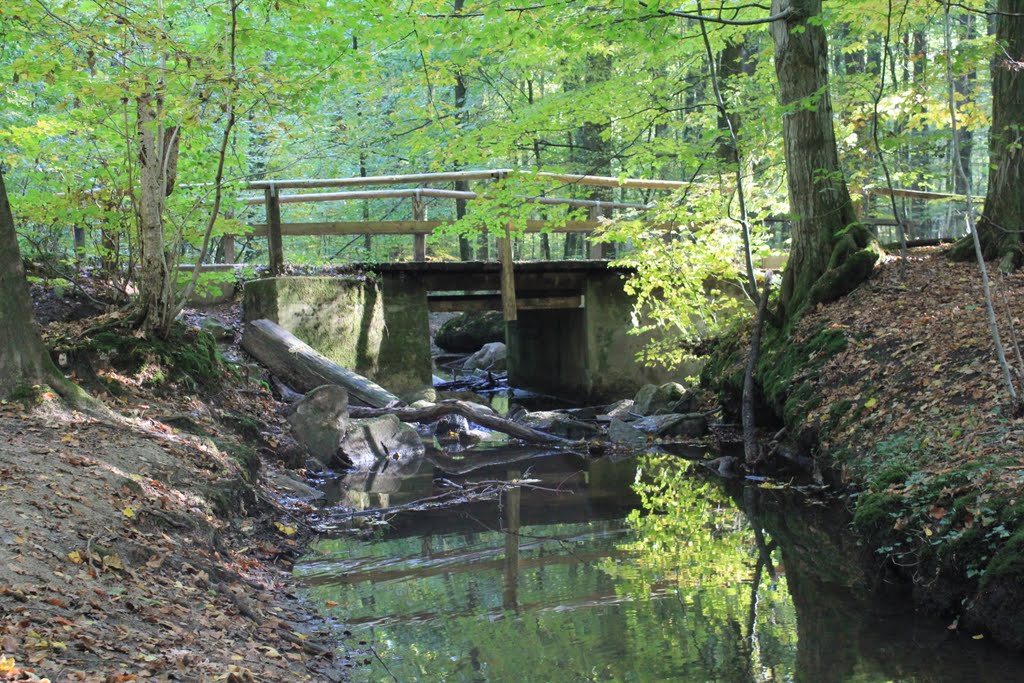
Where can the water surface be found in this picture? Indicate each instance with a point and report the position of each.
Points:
(572, 578)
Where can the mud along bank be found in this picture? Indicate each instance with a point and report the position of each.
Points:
(897, 388)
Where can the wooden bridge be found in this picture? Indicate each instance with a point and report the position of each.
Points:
(567, 322)
(276, 193)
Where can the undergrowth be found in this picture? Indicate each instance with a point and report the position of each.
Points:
(187, 356)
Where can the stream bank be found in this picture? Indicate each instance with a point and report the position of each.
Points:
(898, 387)
(152, 542)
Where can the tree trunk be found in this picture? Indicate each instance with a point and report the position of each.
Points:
(592, 153)
(730, 65)
(24, 360)
(964, 86)
(1002, 220)
(831, 253)
(156, 293)
(303, 368)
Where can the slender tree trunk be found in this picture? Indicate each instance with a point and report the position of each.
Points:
(831, 253)
(156, 294)
(593, 152)
(964, 87)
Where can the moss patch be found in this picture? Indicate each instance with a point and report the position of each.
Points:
(788, 368)
(187, 356)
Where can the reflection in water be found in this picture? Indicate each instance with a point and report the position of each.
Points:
(580, 585)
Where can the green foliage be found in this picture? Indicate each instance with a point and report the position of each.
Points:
(922, 520)
(688, 277)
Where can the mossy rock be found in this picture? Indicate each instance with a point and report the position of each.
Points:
(470, 331)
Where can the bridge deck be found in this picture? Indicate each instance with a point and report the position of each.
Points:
(550, 278)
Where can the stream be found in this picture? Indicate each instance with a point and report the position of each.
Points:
(639, 568)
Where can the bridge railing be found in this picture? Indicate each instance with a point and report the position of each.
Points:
(275, 195)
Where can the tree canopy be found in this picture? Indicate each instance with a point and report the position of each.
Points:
(100, 95)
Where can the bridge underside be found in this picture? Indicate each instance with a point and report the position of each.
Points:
(571, 338)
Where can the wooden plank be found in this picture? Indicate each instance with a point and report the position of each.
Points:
(302, 368)
(508, 277)
(400, 227)
(274, 243)
(441, 194)
(607, 181)
(365, 181)
(492, 302)
(429, 178)
(916, 194)
(595, 248)
(399, 193)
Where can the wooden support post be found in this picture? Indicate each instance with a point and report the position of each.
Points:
(596, 250)
(508, 278)
(272, 199)
(419, 241)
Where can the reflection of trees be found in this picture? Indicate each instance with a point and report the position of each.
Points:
(690, 537)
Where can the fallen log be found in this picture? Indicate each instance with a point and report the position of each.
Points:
(303, 368)
(473, 412)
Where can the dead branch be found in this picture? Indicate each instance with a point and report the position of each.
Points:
(473, 412)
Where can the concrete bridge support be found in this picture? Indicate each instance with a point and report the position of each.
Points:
(376, 326)
(584, 353)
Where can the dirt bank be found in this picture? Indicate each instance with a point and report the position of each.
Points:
(145, 546)
(900, 384)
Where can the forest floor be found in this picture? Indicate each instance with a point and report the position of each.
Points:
(148, 545)
(900, 381)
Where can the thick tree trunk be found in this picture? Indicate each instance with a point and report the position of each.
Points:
(303, 368)
(156, 292)
(1002, 222)
(831, 253)
(24, 360)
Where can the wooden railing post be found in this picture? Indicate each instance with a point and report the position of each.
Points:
(419, 240)
(508, 278)
(272, 200)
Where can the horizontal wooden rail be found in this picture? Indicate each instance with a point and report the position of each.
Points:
(361, 181)
(402, 228)
(420, 192)
(453, 176)
(916, 194)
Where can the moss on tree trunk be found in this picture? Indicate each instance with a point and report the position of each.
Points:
(831, 252)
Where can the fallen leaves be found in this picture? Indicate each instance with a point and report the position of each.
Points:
(285, 529)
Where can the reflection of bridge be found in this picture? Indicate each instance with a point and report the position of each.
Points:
(567, 321)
